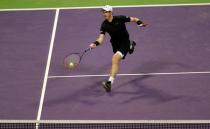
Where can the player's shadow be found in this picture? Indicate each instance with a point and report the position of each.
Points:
(144, 92)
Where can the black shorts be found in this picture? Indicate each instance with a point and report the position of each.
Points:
(122, 46)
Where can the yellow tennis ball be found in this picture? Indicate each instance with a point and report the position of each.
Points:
(71, 65)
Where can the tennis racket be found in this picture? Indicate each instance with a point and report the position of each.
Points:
(72, 60)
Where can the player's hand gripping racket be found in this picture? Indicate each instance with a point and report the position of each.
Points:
(72, 60)
(143, 25)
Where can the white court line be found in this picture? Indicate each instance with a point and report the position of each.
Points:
(96, 7)
(137, 74)
(48, 65)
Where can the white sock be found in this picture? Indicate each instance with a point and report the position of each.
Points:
(111, 79)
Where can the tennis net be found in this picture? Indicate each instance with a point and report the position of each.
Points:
(65, 124)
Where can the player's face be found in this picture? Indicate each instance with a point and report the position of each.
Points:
(107, 14)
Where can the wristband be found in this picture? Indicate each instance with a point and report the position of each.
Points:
(139, 22)
(96, 43)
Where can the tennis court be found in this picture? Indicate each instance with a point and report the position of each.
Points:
(165, 82)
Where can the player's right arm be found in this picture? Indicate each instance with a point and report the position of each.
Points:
(98, 41)
(138, 21)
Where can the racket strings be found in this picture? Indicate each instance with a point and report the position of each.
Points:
(72, 60)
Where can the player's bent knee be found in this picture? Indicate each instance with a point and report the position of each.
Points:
(119, 54)
(116, 58)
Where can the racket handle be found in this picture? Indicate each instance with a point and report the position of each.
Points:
(88, 49)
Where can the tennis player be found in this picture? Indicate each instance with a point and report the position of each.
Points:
(121, 44)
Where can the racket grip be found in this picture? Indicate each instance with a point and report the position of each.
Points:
(88, 49)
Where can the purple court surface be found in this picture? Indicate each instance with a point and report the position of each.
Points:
(176, 40)
(24, 45)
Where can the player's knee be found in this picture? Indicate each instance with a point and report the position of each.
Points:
(116, 58)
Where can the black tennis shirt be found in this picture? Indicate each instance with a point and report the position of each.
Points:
(116, 29)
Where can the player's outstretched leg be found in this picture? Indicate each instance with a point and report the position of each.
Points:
(116, 58)
(132, 46)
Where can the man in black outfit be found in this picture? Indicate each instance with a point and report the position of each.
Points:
(121, 44)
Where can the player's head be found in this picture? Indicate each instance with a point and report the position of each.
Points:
(107, 11)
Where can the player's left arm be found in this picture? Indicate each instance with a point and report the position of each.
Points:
(138, 21)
